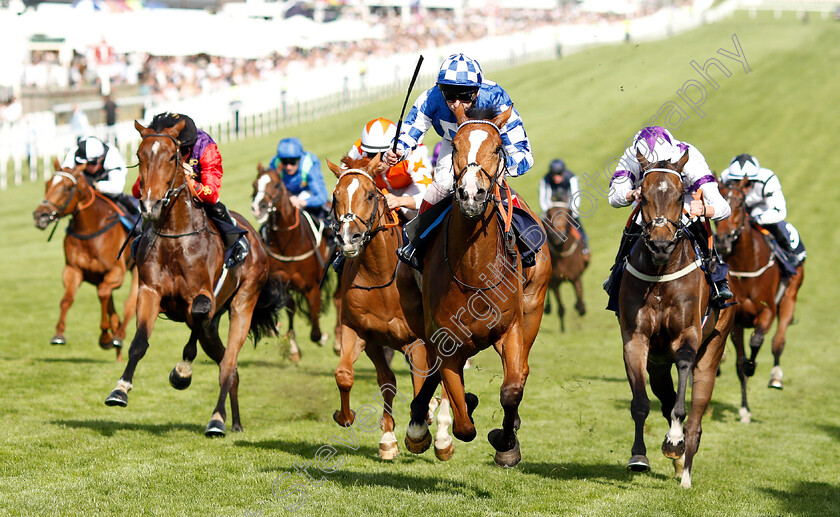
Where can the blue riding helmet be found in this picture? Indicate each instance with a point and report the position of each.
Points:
(557, 166)
(289, 148)
(460, 70)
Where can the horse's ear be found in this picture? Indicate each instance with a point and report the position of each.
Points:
(743, 184)
(259, 167)
(642, 160)
(56, 164)
(176, 129)
(502, 118)
(143, 130)
(683, 161)
(373, 164)
(334, 168)
(460, 114)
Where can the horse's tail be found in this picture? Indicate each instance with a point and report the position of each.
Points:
(273, 298)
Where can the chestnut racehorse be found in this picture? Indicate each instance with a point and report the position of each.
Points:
(762, 292)
(665, 319)
(297, 252)
(475, 293)
(182, 275)
(565, 246)
(93, 241)
(370, 317)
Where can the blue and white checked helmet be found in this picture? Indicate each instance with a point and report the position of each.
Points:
(460, 70)
(743, 166)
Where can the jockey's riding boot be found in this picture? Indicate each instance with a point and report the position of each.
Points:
(782, 237)
(715, 267)
(409, 254)
(628, 240)
(235, 241)
(417, 232)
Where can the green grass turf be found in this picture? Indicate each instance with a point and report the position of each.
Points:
(62, 451)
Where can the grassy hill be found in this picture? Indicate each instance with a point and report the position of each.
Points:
(62, 451)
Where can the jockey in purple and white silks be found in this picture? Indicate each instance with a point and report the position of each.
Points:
(460, 83)
(655, 144)
(766, 203)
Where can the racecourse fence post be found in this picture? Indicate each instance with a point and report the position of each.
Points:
(18, 170)
(4, 165)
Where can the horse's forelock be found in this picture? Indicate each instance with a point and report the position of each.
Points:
(482, 113)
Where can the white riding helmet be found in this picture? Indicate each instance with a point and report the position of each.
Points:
(90, 149)
(743, 166)
(656, 144)
(377, 135)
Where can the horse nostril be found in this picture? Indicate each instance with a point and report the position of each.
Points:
(481, 195)
(462, 194)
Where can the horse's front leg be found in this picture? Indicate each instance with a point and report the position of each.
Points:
(635, 364)
(72, 279)
(785, 310)
(762, 324)
(129, 310)
(580, 306)
(294, 351)
(740, 366)
(313, 297)
(388, 448)
(514, 355)
(148, 307)
(352, 346)
(673, 446)
(110, 322)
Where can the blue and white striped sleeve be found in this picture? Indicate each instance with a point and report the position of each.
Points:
(520, 158)
(415, 126)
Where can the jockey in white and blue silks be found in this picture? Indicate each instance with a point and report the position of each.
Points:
(105, 170)
(655, 144)
(301, 173)
(460, 83)
(766, 204)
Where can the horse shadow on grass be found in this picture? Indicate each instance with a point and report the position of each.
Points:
(606, 473)
(807, 498)
(338, 440)
(831, 430)
(717, 411)
(73, 360)
(109, 428)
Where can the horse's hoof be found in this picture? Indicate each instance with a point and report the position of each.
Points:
(117, 398)
(468, 363)
(776, 378)
(506, 459)
(295, 357)
(638, 463)
(338, 416)
(420, 446)
(581, 310)
(445, 453)
(58, 339)
(671, 450)
(746, 416)
(388, 451)
(215, 429)
(178, 381)
(117, 343)
(106, 344)
(748, 367)
(324, 338)
(236, 428)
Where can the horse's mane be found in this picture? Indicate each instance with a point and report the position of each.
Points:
(360, 163)
(484, 113)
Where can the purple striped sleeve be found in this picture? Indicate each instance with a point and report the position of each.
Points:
(702, 181)
(620, 174)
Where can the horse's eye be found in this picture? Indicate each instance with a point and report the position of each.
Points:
(173, 158)
(370, 196)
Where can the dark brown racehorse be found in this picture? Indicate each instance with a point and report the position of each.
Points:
(762, 293)
(475, 293)
(93, 240)
(568, 261)
(370, 317)
(297, 251)
(664, 318)
(182, 274)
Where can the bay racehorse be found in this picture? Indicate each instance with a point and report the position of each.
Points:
(475, 292)
(297, 250)
(182, 275)
(568, 262)
(763, 293)
(665, 319)
(93, 241)
(370, 315)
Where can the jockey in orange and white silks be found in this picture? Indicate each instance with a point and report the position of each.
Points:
(655, 144)
(407, 181)
(766, 202)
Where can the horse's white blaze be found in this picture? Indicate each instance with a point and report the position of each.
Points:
(477, 137)
(469, 181)
(675, 434)
(56, 180)
(155, 147)
(417, 431)
(261, 184)
(663, 186)
(444, 420)
(388, 437)
(345, 228)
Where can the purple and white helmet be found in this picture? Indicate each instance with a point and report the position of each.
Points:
(656, 144)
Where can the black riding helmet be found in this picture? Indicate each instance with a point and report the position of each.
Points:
(188, 135)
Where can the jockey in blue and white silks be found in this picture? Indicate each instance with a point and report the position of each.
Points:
(301, 173)
(655, 144)
(766, 203)
(460, 83)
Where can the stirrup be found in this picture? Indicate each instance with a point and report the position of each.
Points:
(238, 252)
(410, 256)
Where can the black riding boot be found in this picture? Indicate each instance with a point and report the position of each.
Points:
(782, 237)
(233, 238)
(628, 240)
(715, 268)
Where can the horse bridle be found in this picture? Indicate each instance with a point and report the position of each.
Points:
(659, 221)
(501, 169)
(370, 230)
(57, 214)
(271, 204)
(172, 192)
(736, 232)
